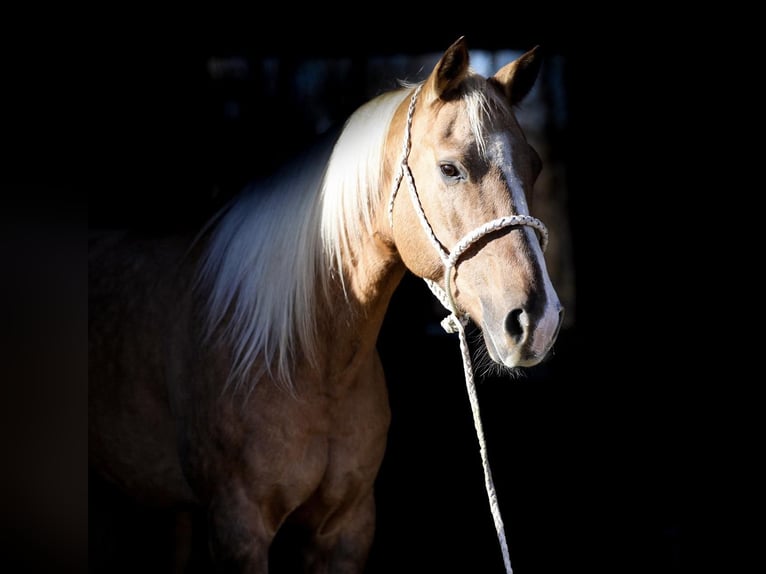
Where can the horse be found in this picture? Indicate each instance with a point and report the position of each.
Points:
(236, 370)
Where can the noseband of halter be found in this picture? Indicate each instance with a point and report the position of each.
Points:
(450, 259)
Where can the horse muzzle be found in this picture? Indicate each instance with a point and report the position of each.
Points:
(521, 339)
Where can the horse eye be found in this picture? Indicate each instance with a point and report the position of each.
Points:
(449, 170)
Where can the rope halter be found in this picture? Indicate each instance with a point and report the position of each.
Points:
(456, 322)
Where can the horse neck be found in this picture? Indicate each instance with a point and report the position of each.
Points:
(349, 325)
(371, 268)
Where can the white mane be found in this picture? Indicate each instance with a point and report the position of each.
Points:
(275, 248)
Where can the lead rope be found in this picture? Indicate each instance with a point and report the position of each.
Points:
(455, 322)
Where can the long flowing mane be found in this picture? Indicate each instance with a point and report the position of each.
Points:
(275, 248)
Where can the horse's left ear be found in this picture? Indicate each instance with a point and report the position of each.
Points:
(517, 78)
(448, 72)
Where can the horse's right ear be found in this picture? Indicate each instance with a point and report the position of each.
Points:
(449, 71)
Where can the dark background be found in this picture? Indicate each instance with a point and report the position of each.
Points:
(593, 453)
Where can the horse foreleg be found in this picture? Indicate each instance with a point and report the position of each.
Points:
(343, 544)
(240, 535)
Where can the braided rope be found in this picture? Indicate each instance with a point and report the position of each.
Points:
(455, 322)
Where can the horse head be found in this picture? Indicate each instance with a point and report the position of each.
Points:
(470, 172)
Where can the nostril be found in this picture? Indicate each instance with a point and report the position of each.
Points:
(514, 324)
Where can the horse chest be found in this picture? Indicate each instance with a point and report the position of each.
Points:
(296, 460)
(313, 439)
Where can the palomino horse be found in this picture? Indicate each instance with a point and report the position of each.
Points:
(238, 372)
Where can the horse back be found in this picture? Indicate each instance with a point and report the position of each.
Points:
(135, 301)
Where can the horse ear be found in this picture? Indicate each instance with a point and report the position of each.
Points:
(517, 78)
(449, 71)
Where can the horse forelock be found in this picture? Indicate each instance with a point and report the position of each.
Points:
(274, 250)
(486, 110)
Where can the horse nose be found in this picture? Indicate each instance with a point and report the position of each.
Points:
(517, 324)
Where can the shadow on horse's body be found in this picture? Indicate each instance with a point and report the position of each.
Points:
(238, 373)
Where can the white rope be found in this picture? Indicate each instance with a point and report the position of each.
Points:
(455, 322)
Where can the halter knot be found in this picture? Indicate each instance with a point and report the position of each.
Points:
(450, 323)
